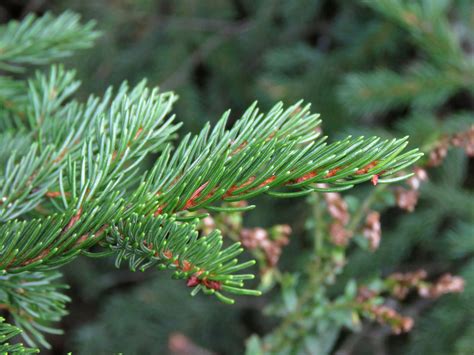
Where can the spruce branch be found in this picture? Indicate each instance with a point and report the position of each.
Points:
(120, 140)
(24, 182)
(47, 94)
(71, 181)
(105, 127)
(266, 151)
(13, 142)
(422, 87)
(8, 331)
(34, 301)
(260, 152)
(40, 40)
(82, 177)
(29, 104)
(43, 244)
(427, 23)
(12, 95)
(167, 244)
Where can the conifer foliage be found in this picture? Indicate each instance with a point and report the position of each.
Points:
(388, 254)
(72, 182)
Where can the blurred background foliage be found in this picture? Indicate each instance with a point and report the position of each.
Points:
(384, 67)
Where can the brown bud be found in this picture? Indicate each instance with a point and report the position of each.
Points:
(438, 154)
(387, 315)
(337, 207)
(406, 324)
(372, 230)
(208, 225)
(339, 235)
(404, 282)
(465, 140)
(364, 294)
(446, 284)
(259, 238)
(406, 199)
(415, 181)
(179, 344)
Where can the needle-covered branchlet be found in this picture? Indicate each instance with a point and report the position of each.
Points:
(77, 186)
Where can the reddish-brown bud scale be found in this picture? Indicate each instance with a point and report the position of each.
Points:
(214, 285)
(140, 130)
(159, 210)
(270, 137)
(333, 172)
(187, 266)
(193, 281)
(366, 168)
(305, 177)
(239, 148)
(267, 181)
(210, 194)
(53, 194)
(82, 239)
(192, 200)
(73, 220)
(60, 156)
(36, 258)
(233, 188)
(175, 180)
(375, 179)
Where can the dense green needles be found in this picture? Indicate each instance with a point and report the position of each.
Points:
(71, 177)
